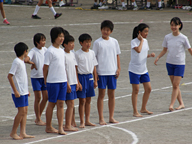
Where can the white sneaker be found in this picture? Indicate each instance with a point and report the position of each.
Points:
(103, 7)
(135, 8)
(61, 3)
(121, 8)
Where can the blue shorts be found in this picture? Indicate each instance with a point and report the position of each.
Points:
(73, 94)
(136, 78)
(1, 1)
(86, 81)
(56, 91)
(22, 101)
(38, 84)
(175, 70)
(107, 80)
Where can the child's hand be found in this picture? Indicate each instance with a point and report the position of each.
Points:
(80, 87)
(77, 87)
(117, 73)
(29, 94)
(17, 95)
(155, 62)
(97, 77)
(68, 88)
(152, 55)
(95, 84)
(33, 66)
(140, 37)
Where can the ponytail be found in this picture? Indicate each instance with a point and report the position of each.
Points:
(138, 28)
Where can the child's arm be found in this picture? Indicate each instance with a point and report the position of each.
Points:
(80, 86)
(160, 55)
(118, 67)
(27, 60)
(190, 51)
(10, 78)
(138, 49)
(95, 77)
(151, 55)
(68, 88)
(45, 72)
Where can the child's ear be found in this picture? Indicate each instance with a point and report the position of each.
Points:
(81, 43)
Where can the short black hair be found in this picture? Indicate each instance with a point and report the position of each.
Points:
(177, 21)
(84, 37)
(37, 37)
(107, 23)
(55, 32)
(138, 28)
(20, 48)
(66, 33)
(68, 39)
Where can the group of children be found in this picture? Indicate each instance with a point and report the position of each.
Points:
(64, 75)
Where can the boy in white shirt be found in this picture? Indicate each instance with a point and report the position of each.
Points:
(55, 76)
(107, 52)
(72, 85)
(36, 55)
(18, 80)
(86, 65)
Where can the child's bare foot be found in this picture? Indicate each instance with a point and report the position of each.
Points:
(74, 124)
(180, 107)
(61, 132)
(40, 123)
(71, 128)
(89, 124)
(82, 125)
(26, 136)
(102, 122)
(137, 115)
(51, 130)
(171, 109)
(113, 121)
(146, 111)
(15, 136)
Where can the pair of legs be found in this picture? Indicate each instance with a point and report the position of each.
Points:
(39, 106)
(60, 115)
(176, 93)
(70, 116)
(149, 3)
(111, 105)
(85, 107)
(3, 13)
(135, 88)
(21, 119)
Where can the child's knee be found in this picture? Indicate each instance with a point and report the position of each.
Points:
(82, 101)
(60, 104)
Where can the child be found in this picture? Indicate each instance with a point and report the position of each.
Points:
(86, 65)
(36, 55)
(35, 16)
(72, 85)
(138, 72)
(3, 13)
(55, 76)
(107, 52)
(175, 43)
(18, 80)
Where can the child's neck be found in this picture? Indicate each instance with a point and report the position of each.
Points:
(56, 45)
(67, 50)
(85, 50)
(39, 47)
(21, 57)
(105, 38)
(176, 33)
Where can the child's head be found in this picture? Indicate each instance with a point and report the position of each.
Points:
(141, 29)
(176, 24)
(106, 28)
(68, 43)
(85, 41)
(21, 49)
(57, 33)
(39, 40)
(66, 33)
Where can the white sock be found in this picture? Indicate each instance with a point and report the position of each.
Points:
(134, 3)
(53, 10)
(148, 4)
(4, 19)
(123, 4)
(36, 10)
(100, 3)
(159, 4)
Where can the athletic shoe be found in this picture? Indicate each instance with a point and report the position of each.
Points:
(148, 8)
(135, 8)
(159, 8)
(6, 22)
(61, 3)
(57, 15)
(95, 6)
(121, 8)
(35, 17)
(103, 7)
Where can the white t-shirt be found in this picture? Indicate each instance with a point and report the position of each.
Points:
(55, 59)
(18, 70)
(106, 52)
(176, 48)
(37, 56)
(85, 61)
(70, 63)
(138, 63)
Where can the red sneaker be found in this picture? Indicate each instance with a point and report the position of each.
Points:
(6, 22)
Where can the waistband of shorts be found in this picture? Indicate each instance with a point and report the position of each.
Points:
(84, 74)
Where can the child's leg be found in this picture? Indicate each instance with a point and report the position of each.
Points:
(73, 123)
(147, 88)
(87, 112)
(2, 10)
(100, 106)
(135, 92)
(49, 113)
(23, 125)
(43, 101)
(17, 120)
(60, 115)
(69, 115)
(111, 105)
(180, 100)
(81, 111)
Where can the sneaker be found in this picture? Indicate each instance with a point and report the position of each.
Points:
(103, 7)
(135, 8)
(121, 8)
(148, 8)
(57, 15)
(61, 3)
(6, 22)
(95, 6)
(159, 8)
(35, 17)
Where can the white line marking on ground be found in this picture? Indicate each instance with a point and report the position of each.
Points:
(134, 136)
(105, 136)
